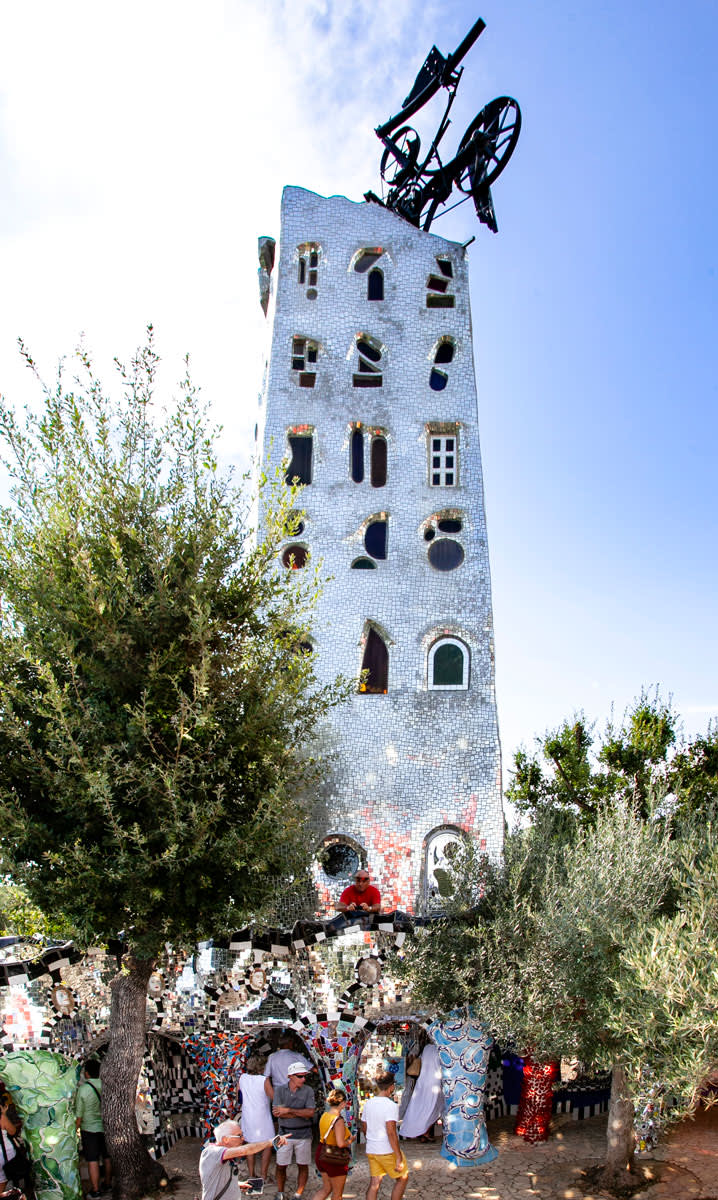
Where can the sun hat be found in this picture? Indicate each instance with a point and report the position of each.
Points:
(297, 1068)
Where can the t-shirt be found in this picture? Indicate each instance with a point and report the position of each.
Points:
(277, 1064)
(9, 1153)
(88, 1106)
(377, 1112)
(352, 895)
(299, 1127)
(214, 1172)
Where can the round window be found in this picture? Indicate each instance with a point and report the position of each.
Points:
(295, 557)
(340, 860)
(446, 554)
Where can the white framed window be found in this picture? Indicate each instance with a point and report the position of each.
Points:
(448, 666)
(443, 459)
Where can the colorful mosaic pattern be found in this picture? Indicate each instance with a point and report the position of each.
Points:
(464, 1045)
(43, 1086)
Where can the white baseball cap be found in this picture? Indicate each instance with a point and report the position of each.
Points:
(297, 1068)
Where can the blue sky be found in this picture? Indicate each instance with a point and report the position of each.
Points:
(143, 147)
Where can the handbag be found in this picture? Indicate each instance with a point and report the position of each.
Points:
(337, 1156)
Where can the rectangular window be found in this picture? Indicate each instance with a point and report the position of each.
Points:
(443, 460)
(300, 466)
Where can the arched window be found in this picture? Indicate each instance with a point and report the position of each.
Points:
(363, 564)
(448, 665)
(375, 662)
(444, 355)
(308, 268)
(300, 465)
(378, 461)
(441, 847)
(375, 538)
(295, 557)
(375, 285)
(368, 372)
(357, 456)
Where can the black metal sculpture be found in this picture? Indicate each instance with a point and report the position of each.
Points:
(418, 188)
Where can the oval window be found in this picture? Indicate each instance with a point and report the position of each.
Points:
(446, 554)
(375, 539)
(449, 525)
(295, 557)
(340, 860)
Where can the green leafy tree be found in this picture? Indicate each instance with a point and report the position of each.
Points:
(568, 771)
(156, 703)
(19, 917)
(540, 954)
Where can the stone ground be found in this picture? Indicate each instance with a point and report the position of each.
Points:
(688, 1161)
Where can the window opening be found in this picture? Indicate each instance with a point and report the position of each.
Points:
(295, 557)
(294, 525)
(339, 860)
(357, 456)
(445, 554)
(444, 352)
(300, 466)
(375, 285)
(438, 380)
(429, 534)
(437, 286)
(368, 373)
(309, 268)
(378, 461)
(363, 564)
(304, 354)
(375, 662)
(448, 665)
(443, 460)
(375, 539)
(367, 260)
(449, 525)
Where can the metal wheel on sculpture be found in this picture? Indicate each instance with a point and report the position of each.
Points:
(408, 201)
(488, 144)
(398, 164)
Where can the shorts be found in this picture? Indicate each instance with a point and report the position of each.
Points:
(300, 1147)
(385, 1164)
(93, 1146)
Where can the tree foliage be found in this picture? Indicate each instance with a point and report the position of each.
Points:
(155, 706)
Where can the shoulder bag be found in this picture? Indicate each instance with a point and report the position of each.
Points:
(336, 1156)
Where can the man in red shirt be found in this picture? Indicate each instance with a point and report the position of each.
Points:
(360, 896)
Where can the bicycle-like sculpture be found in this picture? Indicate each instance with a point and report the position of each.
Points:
(417, 189)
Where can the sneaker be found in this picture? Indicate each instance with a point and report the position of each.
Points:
(279, 1196)
(93, 1196)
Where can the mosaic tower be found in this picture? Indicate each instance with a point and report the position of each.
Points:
(370, 395)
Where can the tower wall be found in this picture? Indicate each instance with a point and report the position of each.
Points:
(414, 760)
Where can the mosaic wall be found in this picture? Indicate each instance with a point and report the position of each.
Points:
(385, 389)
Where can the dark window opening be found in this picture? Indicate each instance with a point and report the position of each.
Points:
(312, 278)
(439, 301)
(311, 293)
(445, 267)
(449, 525)
(429, 534)
(295, 557)
(436, 284)
(304, 648)
(307, 379)
(302, 270)
(376, 664)
(314, 260)
(378, 461)
(294, 525)
(446, 554)
(448, 666)
(363, 564)
(369, 351)
(367, 381)
(340, 860)
(312, 353)
(375, 539)
(357, 456)
(444, 352)
(367, 367)
(367, 260)
(438, 380)
(375, 285)
(300, 467)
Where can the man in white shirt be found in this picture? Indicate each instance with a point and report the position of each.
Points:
(379, 1122)
(275, 1072)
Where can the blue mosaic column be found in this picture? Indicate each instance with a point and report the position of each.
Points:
(464, 1043)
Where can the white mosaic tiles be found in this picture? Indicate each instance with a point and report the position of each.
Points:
(414, 760)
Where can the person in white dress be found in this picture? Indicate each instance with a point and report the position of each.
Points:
(427, 1099)
(256, 1117)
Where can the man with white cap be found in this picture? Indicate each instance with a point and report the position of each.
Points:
(294, 1107)
(215, 1162)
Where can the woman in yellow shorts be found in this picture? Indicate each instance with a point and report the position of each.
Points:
(379, 1122)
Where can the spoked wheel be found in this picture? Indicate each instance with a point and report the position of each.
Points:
(488, 144)
(408, 201)
(399, 160)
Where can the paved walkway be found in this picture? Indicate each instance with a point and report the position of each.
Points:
(522, 1171)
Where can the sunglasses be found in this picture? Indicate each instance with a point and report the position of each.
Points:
(297, 1075)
